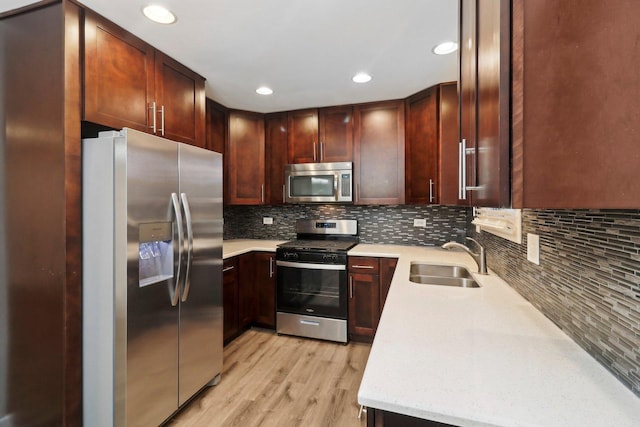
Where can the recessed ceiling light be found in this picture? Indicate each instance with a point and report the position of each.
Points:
(361, 78)
(159, 14)
(263, 90)
(445, 48)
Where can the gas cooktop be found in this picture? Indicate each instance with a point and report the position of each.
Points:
(320, 245)
(324, 235)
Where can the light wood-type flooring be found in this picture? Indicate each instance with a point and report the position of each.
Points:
(271, 380)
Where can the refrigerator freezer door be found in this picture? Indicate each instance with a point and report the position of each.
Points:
(200, 351)
(152, 321)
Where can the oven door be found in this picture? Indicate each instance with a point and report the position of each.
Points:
(312, 289)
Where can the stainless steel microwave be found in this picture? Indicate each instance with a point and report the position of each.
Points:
(319, 183)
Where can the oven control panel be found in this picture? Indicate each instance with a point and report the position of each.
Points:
(312, 256)
(330, 257)
(289, 255)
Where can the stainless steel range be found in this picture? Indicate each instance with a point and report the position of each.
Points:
(312, 280)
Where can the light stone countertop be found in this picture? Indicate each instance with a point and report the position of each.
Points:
(481, 357)
(231, 248)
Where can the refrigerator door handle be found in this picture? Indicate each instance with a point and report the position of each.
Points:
(176, 208)
(187, 276)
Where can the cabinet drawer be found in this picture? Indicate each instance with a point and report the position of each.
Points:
(364, 265)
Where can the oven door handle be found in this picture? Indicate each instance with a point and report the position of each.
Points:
(309, 266)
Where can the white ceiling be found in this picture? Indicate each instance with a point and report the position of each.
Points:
(305, 50)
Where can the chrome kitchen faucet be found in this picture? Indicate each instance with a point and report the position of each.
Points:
(479, 258)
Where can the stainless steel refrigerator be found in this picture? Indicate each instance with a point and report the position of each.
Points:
(152, 276)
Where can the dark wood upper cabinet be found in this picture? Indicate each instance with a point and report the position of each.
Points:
(119, 76)
(130, 84)
(324, 135)
(448, 144)
(180, 100)
(276, 150)
(485, 101)
(217, 118)
(421, 147)
(246, 159)
(336, 134)
(468, 92)
(379, 153)
(576, 104)
(303, 136)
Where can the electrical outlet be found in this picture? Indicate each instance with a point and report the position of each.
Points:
(267, 220)
(533, 248)
(420, 222)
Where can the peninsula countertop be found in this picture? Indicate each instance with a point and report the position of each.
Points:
(481, 357)
(231, 248)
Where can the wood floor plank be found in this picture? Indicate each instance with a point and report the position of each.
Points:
(270, 380)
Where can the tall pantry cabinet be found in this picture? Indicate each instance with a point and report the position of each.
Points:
(40, 226)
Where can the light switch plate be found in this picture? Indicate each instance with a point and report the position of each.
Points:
(533, 248)
(420, 222)
(267, 220)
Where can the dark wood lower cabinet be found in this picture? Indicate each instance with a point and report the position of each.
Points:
(248, 293)
(246, 290)
(369, 282)
(380, 418)
(230, 298)
(364, 305)
(387, 268)
(265, 287)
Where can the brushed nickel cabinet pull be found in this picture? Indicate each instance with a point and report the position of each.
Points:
(152, 107)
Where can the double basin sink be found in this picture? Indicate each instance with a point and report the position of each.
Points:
(444, 275)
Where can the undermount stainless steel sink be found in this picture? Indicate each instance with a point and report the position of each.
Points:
(444, 275)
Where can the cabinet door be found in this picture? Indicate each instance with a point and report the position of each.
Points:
(245, 154)
(276, 148)
(449, 137)
(336, 134)
(303, 136)
(422, 147)
(468, 64)
(217, 118)
(492, 175)
(387, 269)
(246, 290)
(119, 76)
(379, 153)
(485, 101)
(575, 143)
(265, 283)
(364, 305)
(180, 100)
(230, 298)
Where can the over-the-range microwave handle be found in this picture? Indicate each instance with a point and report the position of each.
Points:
(187, 275)
(179, 225)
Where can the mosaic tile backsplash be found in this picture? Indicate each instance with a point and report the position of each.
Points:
(588, 280)
(378, 224)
